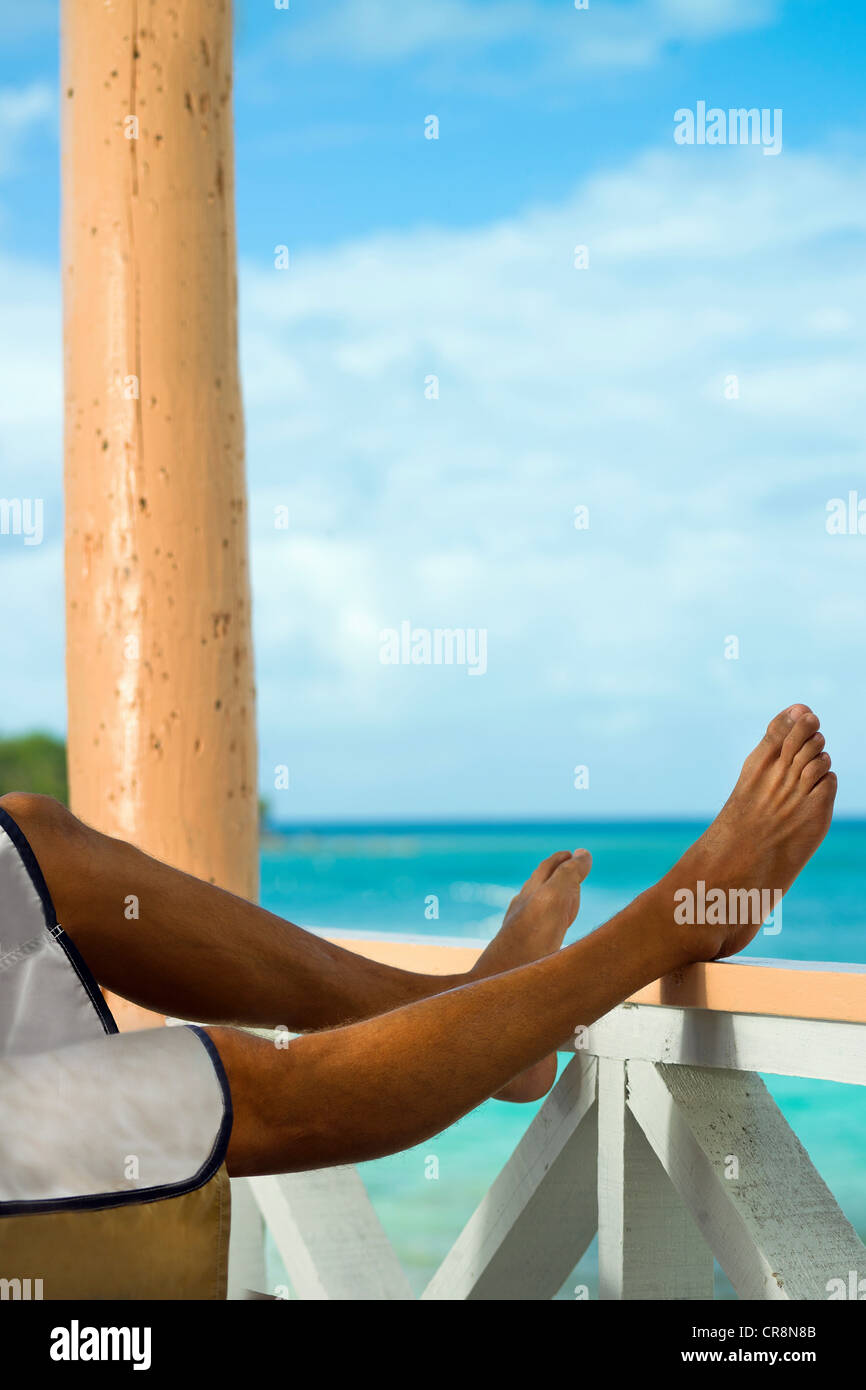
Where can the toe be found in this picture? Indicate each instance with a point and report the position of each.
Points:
(802, 731)
(780, 727)
(814, 771)
(809, 750)
(575, 868)
(826, 789)
(545, 869)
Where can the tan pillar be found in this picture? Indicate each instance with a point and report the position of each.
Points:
(162, 746)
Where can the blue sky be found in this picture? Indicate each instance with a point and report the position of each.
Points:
(603, 387)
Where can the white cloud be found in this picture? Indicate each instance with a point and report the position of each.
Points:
(31, 395)
(36, 17)
(387, 31)
(22, 109)
(31, 387)
(560, 387)
(604, 35)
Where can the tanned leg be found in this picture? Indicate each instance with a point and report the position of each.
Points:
(195, 951)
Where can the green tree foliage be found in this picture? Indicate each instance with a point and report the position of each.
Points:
(34, 763)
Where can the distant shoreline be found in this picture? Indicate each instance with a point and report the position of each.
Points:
(499, 826)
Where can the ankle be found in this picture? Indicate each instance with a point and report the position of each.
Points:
(676, 944)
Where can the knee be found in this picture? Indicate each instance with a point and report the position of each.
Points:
(62, 847)
(40, 818)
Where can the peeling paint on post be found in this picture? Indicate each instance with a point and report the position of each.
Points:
(162, 747)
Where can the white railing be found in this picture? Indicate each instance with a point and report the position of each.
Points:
(659, 1135)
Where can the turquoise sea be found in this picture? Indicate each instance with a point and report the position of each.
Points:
(379, 879)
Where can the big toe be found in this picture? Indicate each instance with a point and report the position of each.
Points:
(779, 728)
(545, 870)
(574, 869)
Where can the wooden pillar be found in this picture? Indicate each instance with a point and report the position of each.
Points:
(162, 746)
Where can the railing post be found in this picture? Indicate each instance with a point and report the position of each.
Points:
(538, 1217)
(648, 1244)
(773, 1223)
(329, 1237)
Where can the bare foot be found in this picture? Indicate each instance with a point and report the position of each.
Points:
(772, 823)
(534, 926)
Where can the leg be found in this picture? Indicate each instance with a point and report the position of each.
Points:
(390, 1082)
(195, 951)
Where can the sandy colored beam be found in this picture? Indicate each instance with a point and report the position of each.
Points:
(794, 989)
(159, 660)
(786, 989)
